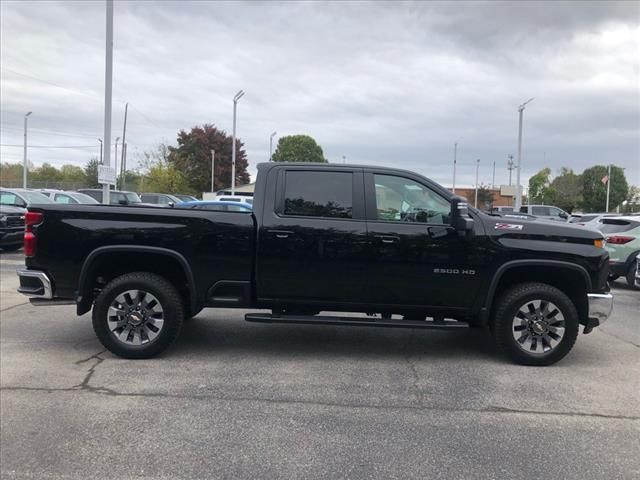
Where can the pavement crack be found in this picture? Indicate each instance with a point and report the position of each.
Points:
(624, 340)
(419, 394)
(13, 306)
(494, 409)
(84, 385)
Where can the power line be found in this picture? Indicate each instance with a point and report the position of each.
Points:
(50, 132)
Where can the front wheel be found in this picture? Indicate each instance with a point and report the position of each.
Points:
(138, 315)
(535, 324)
(631, 274)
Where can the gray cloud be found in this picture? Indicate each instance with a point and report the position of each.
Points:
(385, 83)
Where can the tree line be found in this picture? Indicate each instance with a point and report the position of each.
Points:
(586, 191)
(184, 168)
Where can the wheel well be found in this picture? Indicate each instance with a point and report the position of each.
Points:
(569, 281)
(109, 265)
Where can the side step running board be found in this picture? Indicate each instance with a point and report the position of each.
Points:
(352, 321)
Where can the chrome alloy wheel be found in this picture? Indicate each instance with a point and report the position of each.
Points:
(538, 327)
(135, 317)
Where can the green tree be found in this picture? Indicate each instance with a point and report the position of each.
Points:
(565, 191)
(10, 174)
(192, 157)
(539, 186)
(485, 197)
(298, 148)
(44, 176)
(164, 178)
(91, 173)
(594, 190)
(74, 175)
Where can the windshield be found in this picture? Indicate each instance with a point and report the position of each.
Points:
(35, 197)
(82, 198)
(132, 197)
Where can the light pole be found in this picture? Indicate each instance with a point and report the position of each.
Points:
(271, 144)
(475, 203)
(108, 83)
(455, 158)
(518, 187)
(24, 166)
(344, 159)
(115, 164)
(213, 169)
(237, 97)
(493, 179)
(608, 187)
(100, 140)
(510, 166)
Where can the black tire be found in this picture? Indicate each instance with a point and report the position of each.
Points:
(631, 274)
(613, 278)
(508, 308)
(170, 305)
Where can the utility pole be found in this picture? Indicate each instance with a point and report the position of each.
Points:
(108, 74)
(271, 144)
(510, 166)
(237, 97)
(608, 186)
(344, 159)
(100, 140)
(493, 180)
(518, 187)
(115, 163)
(123, 161)
(477, 170)
(213, 169)
(24, 166)
(455, 161)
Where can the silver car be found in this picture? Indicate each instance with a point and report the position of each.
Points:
(548, 212)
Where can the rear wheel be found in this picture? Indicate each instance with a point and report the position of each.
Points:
(631, 274)
(535, 324)
(138, 315)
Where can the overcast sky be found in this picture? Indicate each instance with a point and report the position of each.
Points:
(382, 83)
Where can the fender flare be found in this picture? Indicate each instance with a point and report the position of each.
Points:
(488, 302)
(84, 301)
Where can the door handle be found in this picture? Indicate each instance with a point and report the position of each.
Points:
(280, 233)
(388, 238)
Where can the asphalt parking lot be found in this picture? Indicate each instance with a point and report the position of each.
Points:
(239, 400)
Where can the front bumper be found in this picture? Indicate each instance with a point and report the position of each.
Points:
(600, 308)
(9, 237)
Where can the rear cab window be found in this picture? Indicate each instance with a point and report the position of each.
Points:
(321, 194)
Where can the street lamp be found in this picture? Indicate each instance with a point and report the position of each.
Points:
(271, 144)
(100, 140)
(24, 167)
(237, 97)
(518, 186)
(455, 158)
(475, 204)
(115, 164)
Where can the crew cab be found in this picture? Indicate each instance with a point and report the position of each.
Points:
(391, 245)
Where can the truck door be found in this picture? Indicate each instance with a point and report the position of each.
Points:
(312, 241)
(417, 258)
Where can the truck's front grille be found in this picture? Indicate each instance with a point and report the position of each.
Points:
(15, 221)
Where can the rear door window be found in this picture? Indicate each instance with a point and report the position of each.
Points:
(62, 198)
(319, 194)
(541, 211)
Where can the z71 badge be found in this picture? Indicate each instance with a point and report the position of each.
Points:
(508, 226)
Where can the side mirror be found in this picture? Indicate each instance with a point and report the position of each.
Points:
(459, 217)
(171, 204)
(123, 202)
(563, 215)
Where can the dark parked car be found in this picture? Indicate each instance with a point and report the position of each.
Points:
(322, 237)
(11, 227)
(163, 199)
(116, 197)
(221, 206)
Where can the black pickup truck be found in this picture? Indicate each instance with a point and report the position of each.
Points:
(391, 245)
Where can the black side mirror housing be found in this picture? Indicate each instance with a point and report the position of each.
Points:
(123, 202)
(460, 219)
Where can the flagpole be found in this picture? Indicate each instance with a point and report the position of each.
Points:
(608, 187)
